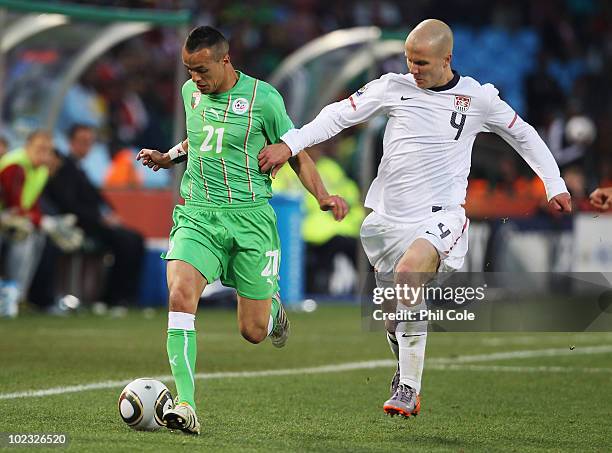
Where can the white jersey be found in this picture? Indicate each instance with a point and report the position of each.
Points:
(428, 141)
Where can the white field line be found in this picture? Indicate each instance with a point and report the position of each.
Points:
(455, 363)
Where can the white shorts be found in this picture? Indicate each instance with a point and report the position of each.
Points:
(384, 242)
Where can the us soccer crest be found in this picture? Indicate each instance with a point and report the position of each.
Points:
(462, 103)
(195, 99)
(361, 90)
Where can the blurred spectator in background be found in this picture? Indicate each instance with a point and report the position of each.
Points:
(23, 176)
(83, 103)
(4, 144)
(331, 246)
(70, 191)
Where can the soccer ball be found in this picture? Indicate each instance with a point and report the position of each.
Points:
(142, 404)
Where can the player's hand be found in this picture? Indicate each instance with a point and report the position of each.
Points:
(272, 157)
(15, 226)
(154, 159)
(336, 204)
(601, 198)
(561, 203)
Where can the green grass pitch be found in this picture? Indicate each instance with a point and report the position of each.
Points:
(555, 401)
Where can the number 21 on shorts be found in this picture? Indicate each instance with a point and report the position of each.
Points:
(271, 269)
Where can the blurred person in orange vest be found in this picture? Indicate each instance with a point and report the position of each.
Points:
(122, 173)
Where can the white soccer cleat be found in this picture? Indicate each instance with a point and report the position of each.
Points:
(280, 333)
(405, 402)
(183, 417)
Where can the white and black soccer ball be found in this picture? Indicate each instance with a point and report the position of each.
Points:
(142, 404)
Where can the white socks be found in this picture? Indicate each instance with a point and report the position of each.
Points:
(411, 338)
(180, 320)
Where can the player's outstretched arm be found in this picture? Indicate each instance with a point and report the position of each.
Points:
(366, 103)
(601, 198)
(155, 159)
(306, 170)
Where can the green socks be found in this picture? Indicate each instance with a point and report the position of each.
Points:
(182, 351)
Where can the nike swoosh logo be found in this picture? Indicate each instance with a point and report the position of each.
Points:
(405, 99)
(429, 232)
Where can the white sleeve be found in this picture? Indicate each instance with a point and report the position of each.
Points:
(505, 122)
(365, 103)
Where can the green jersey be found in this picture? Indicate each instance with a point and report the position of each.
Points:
(226, 132)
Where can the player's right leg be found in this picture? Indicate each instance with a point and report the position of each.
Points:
(379, 240)
(194, 258)
(385, 280)
(185, 285)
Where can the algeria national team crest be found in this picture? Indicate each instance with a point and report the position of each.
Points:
(240, 106)
(462, 103)
(195, 99)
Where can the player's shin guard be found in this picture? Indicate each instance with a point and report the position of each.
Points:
(182, 351)
(411, 338)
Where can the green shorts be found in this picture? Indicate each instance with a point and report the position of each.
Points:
(238, 245)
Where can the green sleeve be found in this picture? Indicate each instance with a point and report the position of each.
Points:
(275, 118)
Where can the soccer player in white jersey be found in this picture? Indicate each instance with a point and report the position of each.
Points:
(418, 226)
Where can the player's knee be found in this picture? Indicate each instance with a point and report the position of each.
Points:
(415, 270)
(181, 299)
(407, 270)
(253, 333)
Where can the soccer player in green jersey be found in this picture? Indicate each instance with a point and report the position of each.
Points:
(226, 229)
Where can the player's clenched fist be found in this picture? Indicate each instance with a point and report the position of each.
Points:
(601, 198)
(561, 202)
(154, 159)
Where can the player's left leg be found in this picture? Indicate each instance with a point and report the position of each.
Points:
(258, 319)
(253, 270)
(415, 268)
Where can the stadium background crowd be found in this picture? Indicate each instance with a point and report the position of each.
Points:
(551, 60)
